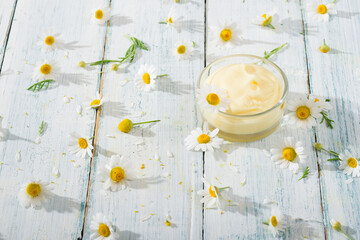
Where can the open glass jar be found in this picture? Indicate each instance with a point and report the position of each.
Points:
(245, 127)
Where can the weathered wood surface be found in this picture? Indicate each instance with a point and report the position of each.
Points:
(309, 205)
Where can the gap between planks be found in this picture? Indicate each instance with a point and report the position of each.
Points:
(96, 129)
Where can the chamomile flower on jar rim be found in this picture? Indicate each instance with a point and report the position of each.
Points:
(49, 41)
(303, 112)
(276, 221)
(116, 173)
(214, 99)
(46, 70)
(146, 78)
(349, 164)
(80, 146)
(184, 49)
(101, 228)
(320, 11)
(322, 103)
(203, 139)
(210, 195)
(289, 154)
(96, 102)
(34, 193)
(101, 15)
(265, 19)
(225, 34)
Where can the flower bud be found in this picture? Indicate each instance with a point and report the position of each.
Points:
(318, 146)
(114, 67)
(335, 224)
(81, 64)
(324, 48)
(125, 125)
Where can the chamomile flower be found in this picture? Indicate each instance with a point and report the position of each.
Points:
(145, 78)
(276, 221)
(183, 49)
(349, 164)
(116, 173)
(303, 112)
(319, 11)
(225, 34)
(210, 194)
(80, 146)
(203, 139)
(34, 193)
(95, 102)
(45, 70)
(289, 154)
(265, 19)
(49, 41)
(101, 228)
(212, 98)
(171, 19)
(101, 15)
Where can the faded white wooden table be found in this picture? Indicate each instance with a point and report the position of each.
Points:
(309, 205)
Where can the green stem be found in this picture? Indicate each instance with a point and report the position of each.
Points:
(163, 75)
(163, 22)
(346, 235)
(330, 152)
(146, 122)
(103, 61)
(271, 26)
(334, 159)
(223, 188)
(266, 223)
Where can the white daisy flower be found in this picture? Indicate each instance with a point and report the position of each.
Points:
(172, 19)
(96, 102)
(101, 228)
(319, 11)
(289, 154)
(211, 98)
(49, 41)
(265, 19)
(183, 49)
(34, 193)
(116, 173)
(225, 34)
(46, 70)
(276, 221)
(302, 112)
(349, 164)
(101, 15)
(203, 139)
(322, 103)
(145, 78)
(210, 194)
(80, 146)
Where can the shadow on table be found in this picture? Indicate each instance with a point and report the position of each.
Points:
(298, 228)
(6, 135)
(143, 183)
(166, 84)
(119, 20)
(103, 151)
(127, 234)
(347, 15)
(296, 27)
(73, 78)
(72, 45)
(141, 131)
(114, 109)
(61, 204)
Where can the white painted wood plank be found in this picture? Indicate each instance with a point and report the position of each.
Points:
(333, 76)
(23, 111)
(300, 201)
(173, 103)
(6, 12)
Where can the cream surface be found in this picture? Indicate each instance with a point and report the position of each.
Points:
(252, 88)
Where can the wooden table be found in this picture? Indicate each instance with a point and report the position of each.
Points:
(309, 205)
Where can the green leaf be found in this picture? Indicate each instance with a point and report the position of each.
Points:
(327, 120)
(334, 159)
(41, 129)
(272, 52)
(305, 174)
(40, 85)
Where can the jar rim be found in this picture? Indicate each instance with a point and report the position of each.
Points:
(285, 90)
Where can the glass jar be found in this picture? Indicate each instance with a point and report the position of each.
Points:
(245, 128)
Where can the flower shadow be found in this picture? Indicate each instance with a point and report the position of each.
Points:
(140, 131)
(166, 84)
(72, 45)
(61, 204)
(5, 135)
(299, 229)
(127, 234)
(347, 15)
(295, 27)
(143, 183)
(118, 20)
(114, 109)
(104, 152)
(192, 26)
(73, 78)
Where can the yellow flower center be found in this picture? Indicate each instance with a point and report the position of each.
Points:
(146, 78)
(203, 138)
(49, 40)
(352, 162)
(181, 49)
(303, 112)
(95, 102)
(33, 189)
(125, 125)
(316, 100)
(212, 192)
(99, 14)
(213, 99)
(104, 230)
(117, 174)
(45, 69)
(267, 20)
(167, 223)
(83, 143)
(274, 221)
(225, 34)
(289, 154)
(322, 9)
(169, 20)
